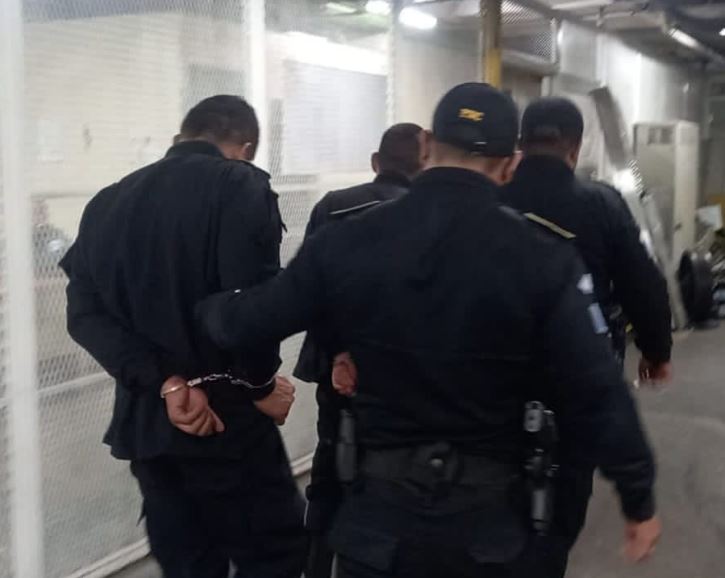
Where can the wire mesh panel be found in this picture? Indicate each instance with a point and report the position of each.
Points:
(91, 506)
(5, 512)
(326, 83)
(107, 83)
(5, 556)
(528, 32)
(4, 457)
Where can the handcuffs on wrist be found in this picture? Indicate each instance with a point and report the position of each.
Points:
(213, 377)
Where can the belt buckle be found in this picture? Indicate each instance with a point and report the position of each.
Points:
(437, 466)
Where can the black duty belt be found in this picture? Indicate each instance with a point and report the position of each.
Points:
(436, 464)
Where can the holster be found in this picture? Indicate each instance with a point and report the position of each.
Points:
(617, 331)
(540, 466)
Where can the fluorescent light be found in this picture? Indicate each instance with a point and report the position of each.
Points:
(379, 7)
(722, 32)
(339, 8)
(415, 18)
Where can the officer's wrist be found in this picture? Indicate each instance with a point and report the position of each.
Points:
(261, 391)
(641, 509)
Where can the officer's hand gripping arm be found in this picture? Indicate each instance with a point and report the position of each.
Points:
(287, 304)
(247, 254)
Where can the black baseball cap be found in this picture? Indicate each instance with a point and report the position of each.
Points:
(478, 118)
(551, 120)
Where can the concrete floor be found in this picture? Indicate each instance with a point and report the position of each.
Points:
(686, 423)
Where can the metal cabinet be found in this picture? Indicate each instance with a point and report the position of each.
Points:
(668, 155)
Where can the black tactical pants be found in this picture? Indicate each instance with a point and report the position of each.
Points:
(204, 516)
(428, 512)
(324, 493)
(380, 535)
(573, 492)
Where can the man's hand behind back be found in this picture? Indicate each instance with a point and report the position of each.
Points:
(188, 409)
(344, 375)
(278, 403)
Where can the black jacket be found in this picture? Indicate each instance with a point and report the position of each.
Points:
(314, 364)
(315, 361)
(609, 241)
(149, 247)
(454, 321)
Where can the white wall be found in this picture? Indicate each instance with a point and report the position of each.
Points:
(106, 95)
(427, 66)
(647, 89)
(98, 90)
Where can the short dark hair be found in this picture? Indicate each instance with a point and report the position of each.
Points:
(399, 150)
(551, 126)
(223, 118)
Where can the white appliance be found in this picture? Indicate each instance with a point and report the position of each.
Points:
(668, 155)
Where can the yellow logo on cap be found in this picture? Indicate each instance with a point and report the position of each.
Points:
(470, 114)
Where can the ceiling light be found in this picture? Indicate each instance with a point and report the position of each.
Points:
(415, 18)
(722, 32)
(379, 7)
(339, 8)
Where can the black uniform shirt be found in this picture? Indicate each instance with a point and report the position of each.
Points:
(315, 361)
(149, 247)
(314, 364)
(609, 241)
(456, 312)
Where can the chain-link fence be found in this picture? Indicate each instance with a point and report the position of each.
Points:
(106, 85)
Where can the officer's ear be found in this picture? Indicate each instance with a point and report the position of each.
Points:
(375, 162)
(572, 158)
(249, 151)
(239, 151)
(425, 144)
(511, 165)
(506, 168)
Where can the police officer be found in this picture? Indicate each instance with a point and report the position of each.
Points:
(595, 218)
(399, 158)
(454, 321)
(197, 424)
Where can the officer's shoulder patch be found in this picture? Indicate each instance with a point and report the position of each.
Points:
(548, 225)
(598, 321)
(586, 284)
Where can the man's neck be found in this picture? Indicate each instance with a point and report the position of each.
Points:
(473, 166)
